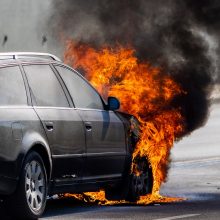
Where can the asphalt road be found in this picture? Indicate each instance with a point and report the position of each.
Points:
(194, 175)
(198, 181)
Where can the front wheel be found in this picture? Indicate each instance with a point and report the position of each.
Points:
(134, 185)
(141, 182)
(29, 200)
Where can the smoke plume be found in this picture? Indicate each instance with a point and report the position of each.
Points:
(179, 36)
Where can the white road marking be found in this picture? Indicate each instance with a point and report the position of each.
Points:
(178, 217)
(196, 162)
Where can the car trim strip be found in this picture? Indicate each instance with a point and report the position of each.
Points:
(83, 109)
(91, 154)
(110, 176)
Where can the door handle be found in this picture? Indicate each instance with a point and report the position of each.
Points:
(88, 126)
(49, 125)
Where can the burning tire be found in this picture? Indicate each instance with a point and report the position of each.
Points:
(134, 185)
(141, 182)
(29, 200)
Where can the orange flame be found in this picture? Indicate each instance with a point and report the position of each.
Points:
(145, 92)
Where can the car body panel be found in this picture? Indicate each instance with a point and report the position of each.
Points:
(66, 139)
(105, 144)
(20, 129)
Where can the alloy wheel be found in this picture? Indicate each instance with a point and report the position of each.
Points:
(35, 185)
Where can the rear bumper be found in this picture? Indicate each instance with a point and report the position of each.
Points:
(7, 185)
(9, 174)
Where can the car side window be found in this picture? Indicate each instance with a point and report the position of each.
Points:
(12, 89)
(45, 88)
(83, 95)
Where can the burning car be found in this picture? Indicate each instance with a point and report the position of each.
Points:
(59, 136)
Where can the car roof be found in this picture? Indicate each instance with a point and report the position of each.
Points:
(29, 57)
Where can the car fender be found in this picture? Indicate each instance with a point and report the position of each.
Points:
(30, 140)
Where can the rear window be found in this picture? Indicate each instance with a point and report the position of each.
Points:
(12, 89)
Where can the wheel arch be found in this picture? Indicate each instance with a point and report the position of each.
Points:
(42, 151)
(36, 141)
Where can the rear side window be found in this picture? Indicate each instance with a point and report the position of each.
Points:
(45, 87)
(12, 89)
(83, 95)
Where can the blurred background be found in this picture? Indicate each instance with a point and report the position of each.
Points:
(24, 26)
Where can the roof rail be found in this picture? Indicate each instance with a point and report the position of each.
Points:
(17, 55)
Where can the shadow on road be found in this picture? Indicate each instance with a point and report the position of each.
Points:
(68, 206)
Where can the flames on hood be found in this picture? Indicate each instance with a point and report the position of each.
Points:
(146, 92)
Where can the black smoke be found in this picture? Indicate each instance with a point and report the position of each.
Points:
(180, 36)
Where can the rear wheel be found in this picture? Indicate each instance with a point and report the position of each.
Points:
(29, 200)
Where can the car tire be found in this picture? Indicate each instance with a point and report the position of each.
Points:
(133, 186)
(141, 184)
(29, 199)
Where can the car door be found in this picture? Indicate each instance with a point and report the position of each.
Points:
(105, 135)
(62, 124)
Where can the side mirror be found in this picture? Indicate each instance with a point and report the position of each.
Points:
(113, 103)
